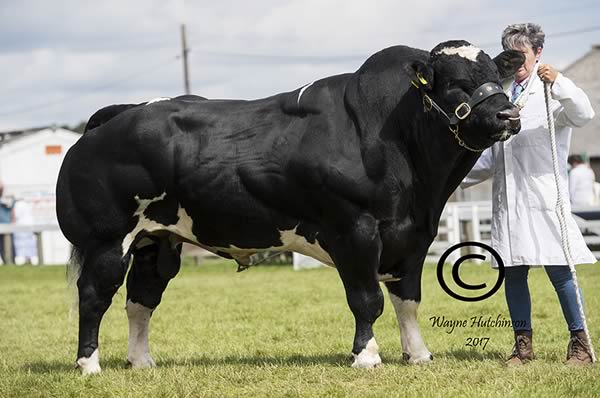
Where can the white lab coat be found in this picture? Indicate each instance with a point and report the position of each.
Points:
(581, 185)
(525, 228)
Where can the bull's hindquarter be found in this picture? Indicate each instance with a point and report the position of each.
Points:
(241, 172)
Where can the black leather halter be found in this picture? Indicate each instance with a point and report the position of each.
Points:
(463, 110)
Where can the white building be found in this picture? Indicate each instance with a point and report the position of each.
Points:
(29, 166)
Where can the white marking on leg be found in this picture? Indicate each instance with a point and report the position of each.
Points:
(138, 353)
(89, 365)
(368, 357)
(468, 52)
(159, 99)
(410, 335)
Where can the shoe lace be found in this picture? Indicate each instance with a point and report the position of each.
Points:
(576, 348)
(520, 345)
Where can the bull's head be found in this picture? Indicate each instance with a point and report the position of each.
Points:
(464, 84)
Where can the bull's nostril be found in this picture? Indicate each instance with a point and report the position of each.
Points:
(508, 114)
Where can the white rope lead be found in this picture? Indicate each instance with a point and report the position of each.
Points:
(562, 219)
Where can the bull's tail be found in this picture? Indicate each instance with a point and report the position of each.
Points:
(73, 272)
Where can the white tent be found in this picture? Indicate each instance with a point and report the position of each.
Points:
(29, 166)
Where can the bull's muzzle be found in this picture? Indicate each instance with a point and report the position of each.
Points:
(512, 118)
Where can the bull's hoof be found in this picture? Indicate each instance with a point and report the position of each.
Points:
(368, 361)
(417, 359)
(369, 357)
(89, 366)
(141, 362)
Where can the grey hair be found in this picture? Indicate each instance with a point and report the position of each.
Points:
(523, 35)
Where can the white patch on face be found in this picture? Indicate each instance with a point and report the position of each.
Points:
(89, 365)
(157, 100)
(368, 357)
(468, 52)
(138, 353)
(183, 227)
(410, 335)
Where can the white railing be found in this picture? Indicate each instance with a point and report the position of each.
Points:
(462, 221)
(37, 229)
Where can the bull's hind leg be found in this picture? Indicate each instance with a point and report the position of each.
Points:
(406, 296)
(357, 259)
(153, 266)
(102, 274)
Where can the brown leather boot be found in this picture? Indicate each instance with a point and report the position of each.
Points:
(522, 350)
(578, 350)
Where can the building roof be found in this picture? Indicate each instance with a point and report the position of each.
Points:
(585, 72)
(16, 135)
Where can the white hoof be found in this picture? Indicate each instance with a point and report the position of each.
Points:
(142, 362)
(89, 366)
(369, 357)
(418, 359)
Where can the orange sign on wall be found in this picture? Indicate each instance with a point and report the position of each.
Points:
(53, 149)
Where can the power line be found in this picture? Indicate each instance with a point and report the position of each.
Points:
(354, 57)
(289, 58)
(112, 84)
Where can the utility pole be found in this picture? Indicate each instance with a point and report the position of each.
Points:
(184, 57)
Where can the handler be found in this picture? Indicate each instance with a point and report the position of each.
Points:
(525, 228)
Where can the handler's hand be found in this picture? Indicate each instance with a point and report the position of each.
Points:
(547, 73)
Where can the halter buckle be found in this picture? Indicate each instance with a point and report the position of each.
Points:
(465, 109)
(427, 103)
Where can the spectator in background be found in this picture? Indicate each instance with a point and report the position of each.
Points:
(25, 243)
(6, 206)
(581, 182)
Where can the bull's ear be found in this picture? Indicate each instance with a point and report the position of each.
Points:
(508, 62)
(422, 74)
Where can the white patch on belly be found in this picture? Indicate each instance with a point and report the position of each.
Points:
(468, 52)
(138, 353)
(289, 242)
(368, 357)
(299, 244)
(157, 100)
(90, 365)
(183, 227)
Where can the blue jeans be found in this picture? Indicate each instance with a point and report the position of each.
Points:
(519, 302)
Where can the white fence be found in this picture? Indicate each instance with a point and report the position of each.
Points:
(462, 221)
(471, 221)
(51, 245)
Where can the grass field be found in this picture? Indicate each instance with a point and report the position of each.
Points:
(270, 331)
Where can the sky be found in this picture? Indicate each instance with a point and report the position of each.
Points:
(62, 60)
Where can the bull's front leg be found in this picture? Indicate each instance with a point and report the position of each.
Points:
(405, 296)
(356, 255)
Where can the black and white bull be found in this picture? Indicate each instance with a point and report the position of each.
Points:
(353, 170)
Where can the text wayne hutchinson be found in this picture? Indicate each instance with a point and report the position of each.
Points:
(473, 322)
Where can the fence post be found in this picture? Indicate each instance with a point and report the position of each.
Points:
(8, 252)
(40, 247)
(476, 233)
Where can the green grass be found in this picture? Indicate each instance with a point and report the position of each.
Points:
(271, 331)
